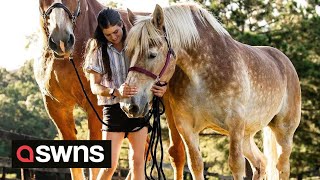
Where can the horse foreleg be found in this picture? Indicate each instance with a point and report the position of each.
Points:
(176, 149)
(62, 116)
(195, 162)
(236, 158)
(255, 156)
(177, 154)
(191, 142)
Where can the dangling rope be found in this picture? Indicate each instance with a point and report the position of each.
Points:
(85, 93)
(155, 139)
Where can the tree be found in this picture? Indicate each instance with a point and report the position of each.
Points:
(22, 109)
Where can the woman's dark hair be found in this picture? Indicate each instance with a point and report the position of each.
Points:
(106, 18)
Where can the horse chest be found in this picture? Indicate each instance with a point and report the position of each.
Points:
(57, 79)
(194, 100)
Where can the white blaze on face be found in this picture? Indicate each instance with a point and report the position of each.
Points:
(59, 19)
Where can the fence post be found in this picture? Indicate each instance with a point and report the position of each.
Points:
(3, 173)
(22, 174)
(67, 176)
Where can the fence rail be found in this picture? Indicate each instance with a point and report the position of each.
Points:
(6, 162)
(26, 173)
(7, 135)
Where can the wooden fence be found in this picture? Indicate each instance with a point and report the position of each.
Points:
(27, 173)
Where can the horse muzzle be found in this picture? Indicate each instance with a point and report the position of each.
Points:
(61, 44)
(133, 110)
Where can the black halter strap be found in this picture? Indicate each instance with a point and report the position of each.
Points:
(60, 5)
(45, 14)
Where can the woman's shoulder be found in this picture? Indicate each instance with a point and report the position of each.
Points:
(93, 60)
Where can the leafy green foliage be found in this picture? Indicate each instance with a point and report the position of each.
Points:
(22, 109)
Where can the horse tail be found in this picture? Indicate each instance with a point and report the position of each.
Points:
(270, 150)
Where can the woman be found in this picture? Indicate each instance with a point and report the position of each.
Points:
(107, 67)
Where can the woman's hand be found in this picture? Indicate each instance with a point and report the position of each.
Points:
(126, 91)
(159, 90)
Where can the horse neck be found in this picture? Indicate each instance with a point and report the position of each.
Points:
(86, 23)
(88, 20)
(195, 60)
(85, 26)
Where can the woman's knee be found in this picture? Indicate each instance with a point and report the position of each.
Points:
(105, 173)
(137, 160)
(108, 170)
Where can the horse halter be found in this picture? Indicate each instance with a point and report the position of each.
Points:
(73, 17)
(151, 74)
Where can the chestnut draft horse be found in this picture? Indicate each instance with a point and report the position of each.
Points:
(215, 82)
(66, 26)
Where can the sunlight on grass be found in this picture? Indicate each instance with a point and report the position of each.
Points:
(10, 175)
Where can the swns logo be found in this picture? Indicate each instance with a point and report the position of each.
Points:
(61, 154)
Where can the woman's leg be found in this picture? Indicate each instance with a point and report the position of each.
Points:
(137, 142)
(116, 141)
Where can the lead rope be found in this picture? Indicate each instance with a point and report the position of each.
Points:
(155, 139)
(85, 93)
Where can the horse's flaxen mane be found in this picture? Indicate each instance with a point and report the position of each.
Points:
(90, 51)
(180, 27)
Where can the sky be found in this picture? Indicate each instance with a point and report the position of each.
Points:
(19, 22)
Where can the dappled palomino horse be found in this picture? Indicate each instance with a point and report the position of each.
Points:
(66, 26)
(215, 82)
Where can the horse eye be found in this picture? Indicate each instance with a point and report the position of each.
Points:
(152, 55)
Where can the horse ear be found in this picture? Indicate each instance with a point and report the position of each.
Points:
(131, 17)
(157, 17)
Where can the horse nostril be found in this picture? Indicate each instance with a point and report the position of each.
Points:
(52, 44)
(133, 109)
(70, 41)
